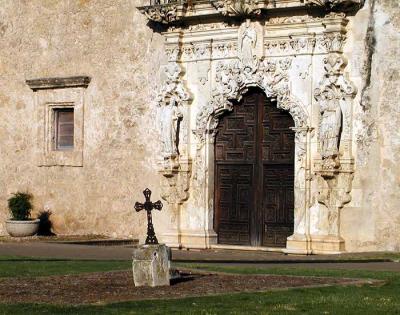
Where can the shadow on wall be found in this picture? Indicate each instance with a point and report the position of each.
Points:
(45, 225)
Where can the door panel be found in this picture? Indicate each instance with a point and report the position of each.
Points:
(235, 203)
(254, 158)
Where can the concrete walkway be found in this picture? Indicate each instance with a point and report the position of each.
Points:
(220, 256)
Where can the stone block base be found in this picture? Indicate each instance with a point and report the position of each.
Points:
(190, 239)
(151, 264)
(298, 245)
(327, 245)
(314, 244)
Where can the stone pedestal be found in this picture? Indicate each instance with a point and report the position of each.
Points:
(151, 264)
(298, 244)
(327, 244)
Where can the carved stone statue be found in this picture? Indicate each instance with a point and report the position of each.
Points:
(170, 120)
(331, 122)
(248, 45)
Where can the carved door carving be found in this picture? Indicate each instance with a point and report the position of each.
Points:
(254, 174)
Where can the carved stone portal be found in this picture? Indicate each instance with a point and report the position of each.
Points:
(227, 47)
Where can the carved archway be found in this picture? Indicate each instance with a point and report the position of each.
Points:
(232, 81)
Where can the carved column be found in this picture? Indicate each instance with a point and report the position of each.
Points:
(335, 169)
(299, 242)
(175, 164)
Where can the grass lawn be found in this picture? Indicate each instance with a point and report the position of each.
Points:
(332, 300)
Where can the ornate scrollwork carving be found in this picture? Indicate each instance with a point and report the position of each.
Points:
(239, 8)
(164, 14)
(336, 4)
(233, 80)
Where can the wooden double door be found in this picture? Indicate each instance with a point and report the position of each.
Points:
(254, 174)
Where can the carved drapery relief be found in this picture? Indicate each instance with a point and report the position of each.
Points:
(330, 125)
(333, 96)
(335, 173)
(248, 43)
(171, 99)
(175, 168)
(233, 80)
(170, 127)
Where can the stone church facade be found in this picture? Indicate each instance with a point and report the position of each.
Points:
(270, 124)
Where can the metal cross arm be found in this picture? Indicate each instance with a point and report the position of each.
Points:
(149, 206)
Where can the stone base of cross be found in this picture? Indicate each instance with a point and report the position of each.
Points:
(151, 262)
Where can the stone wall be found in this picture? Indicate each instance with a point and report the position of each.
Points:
(110, 42)
(374, 222)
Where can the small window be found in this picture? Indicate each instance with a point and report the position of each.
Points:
(64, 129)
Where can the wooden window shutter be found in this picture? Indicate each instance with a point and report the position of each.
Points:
(64, 129)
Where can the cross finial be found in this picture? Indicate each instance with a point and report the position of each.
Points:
(149, 206)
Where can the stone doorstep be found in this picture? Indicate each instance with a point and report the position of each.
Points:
(249, 248)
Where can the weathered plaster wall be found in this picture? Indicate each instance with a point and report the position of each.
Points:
(372, 219)
(110, 42)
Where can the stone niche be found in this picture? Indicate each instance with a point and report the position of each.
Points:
(216, 52)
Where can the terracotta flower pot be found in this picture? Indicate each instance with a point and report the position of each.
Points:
(22, 228)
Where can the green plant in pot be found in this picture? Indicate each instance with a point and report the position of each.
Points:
(21, 224)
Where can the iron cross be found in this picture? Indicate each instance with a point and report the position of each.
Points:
(149, 206)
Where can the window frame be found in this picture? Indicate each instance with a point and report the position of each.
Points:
(56, 128)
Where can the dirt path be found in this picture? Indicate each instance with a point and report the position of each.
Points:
(118, 286)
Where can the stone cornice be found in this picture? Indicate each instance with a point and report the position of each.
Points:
(173, 12)
(58, 83)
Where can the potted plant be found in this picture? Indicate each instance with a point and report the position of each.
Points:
(21, 224)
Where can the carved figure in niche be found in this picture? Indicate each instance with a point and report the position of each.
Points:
(248, 45)
(170, 123)
(331, 122)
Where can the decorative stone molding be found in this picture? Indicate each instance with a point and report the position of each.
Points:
(304, 18)
(233, 80)
(306, 44)
(58, 83)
